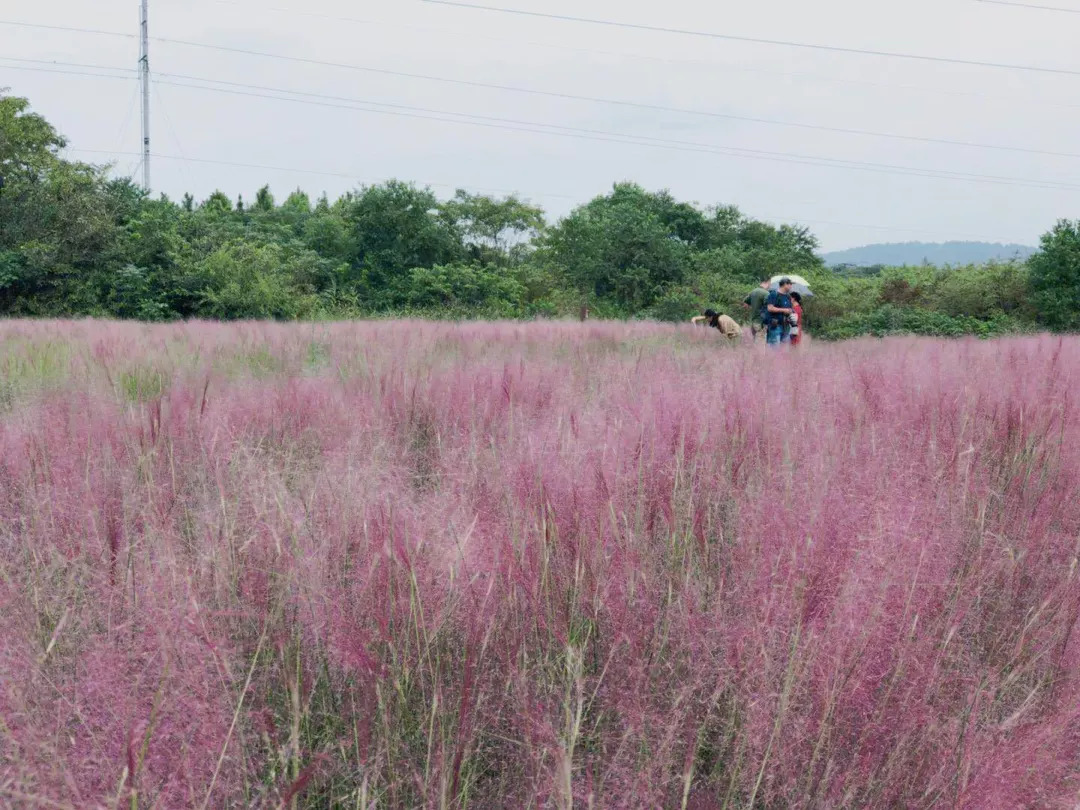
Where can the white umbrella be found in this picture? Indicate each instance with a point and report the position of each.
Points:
(797, 280)
(799, 284)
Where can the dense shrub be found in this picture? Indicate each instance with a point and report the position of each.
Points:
(895, 320)
(464, 288)
(675, 304)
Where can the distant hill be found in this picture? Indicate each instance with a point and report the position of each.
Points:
(916, 253)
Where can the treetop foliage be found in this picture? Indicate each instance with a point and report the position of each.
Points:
(74, 241)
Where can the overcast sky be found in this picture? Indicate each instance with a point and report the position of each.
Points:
(845, 207)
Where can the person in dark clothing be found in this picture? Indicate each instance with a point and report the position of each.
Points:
(779, 307)
(755, 302)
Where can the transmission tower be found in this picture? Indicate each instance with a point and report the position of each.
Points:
(144, 75)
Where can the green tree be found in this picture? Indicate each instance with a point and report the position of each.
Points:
(492, 228)
(264, 201)
(463, 288)
(29, 144)
(626, 247)
(218, 204)
(326, 232)
(394, 228)
(295, 211)
(150, 283)
(982, 291)
(1055, 277)
(245, 280)
(58, 222)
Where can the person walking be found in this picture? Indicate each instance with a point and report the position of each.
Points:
(779, 307)
(755, 302)
(797, 323)
(725, 324)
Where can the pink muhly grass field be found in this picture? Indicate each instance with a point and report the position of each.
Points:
(389, 565)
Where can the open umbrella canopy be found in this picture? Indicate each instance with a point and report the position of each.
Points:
(798, 281)
(799, 285)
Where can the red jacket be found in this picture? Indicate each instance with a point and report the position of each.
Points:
(796, 338)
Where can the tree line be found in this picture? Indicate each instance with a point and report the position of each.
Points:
(75, 241)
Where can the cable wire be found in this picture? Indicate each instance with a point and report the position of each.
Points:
(625, 103)
(606, 136)
(70, 72)
(1029, 6)
(169, 124)
(622, 102)
(544, 128)
(720, 115)
(121, 136)
(57, 63)
(617, 102)
(666, 60)
(616, 24)
(759, 40)
(68, 28)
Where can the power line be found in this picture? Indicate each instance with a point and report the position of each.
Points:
(719, 115)
(168, 121)
(581, 133)
(613, 23)
(610, 101)
(1029, 6)
(297, 12)
(121, 34)
(690, 111)
(709, 64)
(614, 102)
(759, 40)
(68, 28)
(69, 72)
(544, 128)
(121, 136)
(622, 102)
(57, 63)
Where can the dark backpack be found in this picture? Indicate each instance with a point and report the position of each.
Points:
(774, 319)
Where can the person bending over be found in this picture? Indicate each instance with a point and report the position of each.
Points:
(727, 326)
